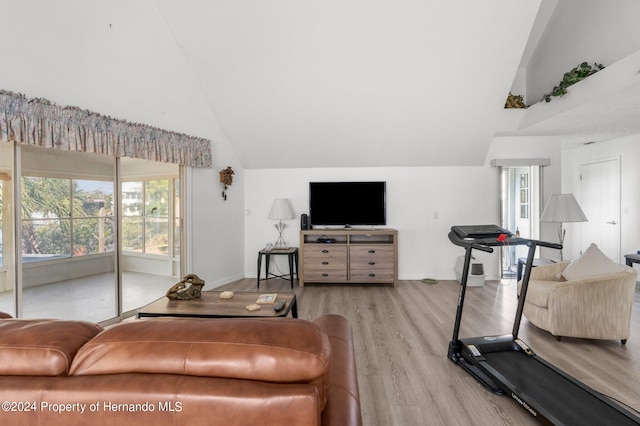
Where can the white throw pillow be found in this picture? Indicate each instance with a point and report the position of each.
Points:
(592, 263)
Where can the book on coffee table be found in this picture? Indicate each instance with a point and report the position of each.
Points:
(267, 298)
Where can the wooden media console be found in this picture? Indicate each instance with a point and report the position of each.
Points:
(349, 256)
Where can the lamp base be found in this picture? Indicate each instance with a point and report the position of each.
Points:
(280, 242)
(561, 234)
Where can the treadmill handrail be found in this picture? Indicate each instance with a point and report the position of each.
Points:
(455, 239)
(548, 244)
(483, 243)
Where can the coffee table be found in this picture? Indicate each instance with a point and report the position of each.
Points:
(210, 305)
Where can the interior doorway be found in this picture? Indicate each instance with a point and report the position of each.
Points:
(520, 210)
(600, 199)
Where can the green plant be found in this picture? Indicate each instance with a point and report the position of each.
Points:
(577, 74)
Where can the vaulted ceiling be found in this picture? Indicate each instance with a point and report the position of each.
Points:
(355, 83)
(295, 83)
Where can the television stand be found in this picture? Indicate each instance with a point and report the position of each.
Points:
(348, 256)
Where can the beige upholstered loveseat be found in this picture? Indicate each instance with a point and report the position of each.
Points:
(589, 299)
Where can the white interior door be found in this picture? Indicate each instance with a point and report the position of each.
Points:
(600, 189)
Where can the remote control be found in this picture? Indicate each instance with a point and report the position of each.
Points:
(279, 306)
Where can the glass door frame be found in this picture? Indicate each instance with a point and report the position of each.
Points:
(520, 204)
(14, 227)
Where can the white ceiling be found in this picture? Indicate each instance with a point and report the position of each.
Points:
(354, 83)
(299, 84)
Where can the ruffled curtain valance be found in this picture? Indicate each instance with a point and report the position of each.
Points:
(39, 122)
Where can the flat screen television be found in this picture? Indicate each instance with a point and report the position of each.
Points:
(347, 203)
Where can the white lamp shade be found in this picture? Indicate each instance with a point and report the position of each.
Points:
(281, 209)
(562, 208)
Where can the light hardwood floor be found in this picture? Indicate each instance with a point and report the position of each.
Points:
(401, 336)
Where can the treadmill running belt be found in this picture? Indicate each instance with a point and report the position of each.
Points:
(568, 402)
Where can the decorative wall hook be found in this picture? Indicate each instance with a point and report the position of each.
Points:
(226, 177)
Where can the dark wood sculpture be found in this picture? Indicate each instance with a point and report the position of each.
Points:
(180, 291)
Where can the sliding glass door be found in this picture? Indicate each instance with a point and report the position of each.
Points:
(150, 259)
(68, 257)
(7, 240)
(98, 236)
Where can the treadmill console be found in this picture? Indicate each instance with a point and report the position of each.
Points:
(480, 231)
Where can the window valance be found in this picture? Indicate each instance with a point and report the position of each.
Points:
(39, 122)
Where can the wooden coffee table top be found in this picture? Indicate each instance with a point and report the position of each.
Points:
(210, 305)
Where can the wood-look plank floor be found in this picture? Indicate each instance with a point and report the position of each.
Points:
(401, 337)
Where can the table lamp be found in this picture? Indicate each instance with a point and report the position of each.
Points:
(281, 210)
(562, 208)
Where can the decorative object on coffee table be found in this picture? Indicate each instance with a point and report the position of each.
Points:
(180, 291)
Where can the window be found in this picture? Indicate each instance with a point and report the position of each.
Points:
(524, 195)
(65, 217)
(150, 223)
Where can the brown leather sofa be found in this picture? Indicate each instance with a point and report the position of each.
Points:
(187, 371)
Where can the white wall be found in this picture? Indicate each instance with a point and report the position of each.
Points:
(628, 150)
(119, 58)
(422, 204)
(415, 197)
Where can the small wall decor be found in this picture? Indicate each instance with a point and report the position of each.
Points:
(226, 177)
(514, 101)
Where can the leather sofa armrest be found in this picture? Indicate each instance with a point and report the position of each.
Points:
(343, 405)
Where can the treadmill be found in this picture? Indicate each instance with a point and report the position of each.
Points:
(508, 366)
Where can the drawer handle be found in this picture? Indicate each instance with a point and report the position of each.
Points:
(325, 275)
(372, 251)
(325, 263)
(325, 251)
(372, 275)
(372, 263)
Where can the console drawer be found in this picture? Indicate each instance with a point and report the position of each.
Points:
(372, 263)
(382, 276)
(325, 275)
(374, 255)
(325, 263)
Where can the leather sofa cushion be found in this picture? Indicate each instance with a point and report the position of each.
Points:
(277, 350)
(172, 400)
(41, 347)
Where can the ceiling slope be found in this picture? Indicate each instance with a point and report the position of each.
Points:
(354, 83)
